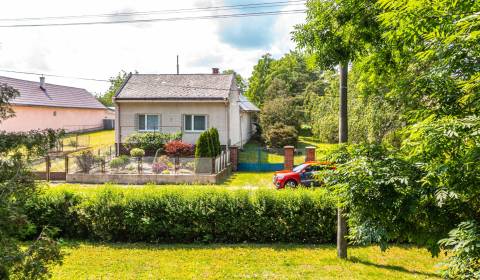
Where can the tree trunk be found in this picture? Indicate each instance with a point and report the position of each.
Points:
(343, 120)
(342, 138)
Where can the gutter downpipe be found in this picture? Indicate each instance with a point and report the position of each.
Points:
(227, 117)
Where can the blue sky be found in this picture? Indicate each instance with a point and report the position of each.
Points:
(255, 32)
(101, 51)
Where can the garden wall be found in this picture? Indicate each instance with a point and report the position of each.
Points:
(141, 179)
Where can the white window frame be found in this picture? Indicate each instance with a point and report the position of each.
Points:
(146, 118)
(193, 122)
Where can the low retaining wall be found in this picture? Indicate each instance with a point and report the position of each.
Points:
(141, 179)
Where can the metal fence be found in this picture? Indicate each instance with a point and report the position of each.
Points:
(260, 159)
(101, 164)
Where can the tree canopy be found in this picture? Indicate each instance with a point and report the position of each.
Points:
(17, 186)
(115, 84)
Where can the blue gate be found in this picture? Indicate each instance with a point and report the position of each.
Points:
(260, 160)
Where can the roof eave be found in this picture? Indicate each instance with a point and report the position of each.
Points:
(171, 99)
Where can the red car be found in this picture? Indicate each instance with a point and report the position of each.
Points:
(303, 174)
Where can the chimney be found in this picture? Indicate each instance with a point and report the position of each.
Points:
(42, 82)
(215, 71)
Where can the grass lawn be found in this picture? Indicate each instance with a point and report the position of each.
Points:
(238, 180)
(90, 140)
(244, 261)
(250, 152)
(94, 139)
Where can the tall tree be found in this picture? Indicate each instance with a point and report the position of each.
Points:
(335, 34)
(7, 93)
(17, 186)
(115, 84)
(257, 84)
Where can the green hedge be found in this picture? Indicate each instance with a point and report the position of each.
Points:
(187, 214)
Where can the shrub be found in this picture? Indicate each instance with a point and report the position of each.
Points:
(215, 140)
(188, 214)
(464, 245)
(280, 135)
(178, 148)
(85, 161)
(280, 110)
(119, 162)
(72, 143)
(202, 148)
(159, 167)
(137, 152)
(150, 141)
(208, 144)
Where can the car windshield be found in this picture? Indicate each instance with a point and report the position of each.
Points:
(299, 168)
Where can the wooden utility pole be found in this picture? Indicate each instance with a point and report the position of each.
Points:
(342, 138)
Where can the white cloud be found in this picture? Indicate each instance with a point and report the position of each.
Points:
(100, 51)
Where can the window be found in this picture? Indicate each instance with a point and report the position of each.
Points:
(195, 123)
(148, 122)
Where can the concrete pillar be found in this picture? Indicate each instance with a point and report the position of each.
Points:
(310, 154)
(234, 157)
(288, 158)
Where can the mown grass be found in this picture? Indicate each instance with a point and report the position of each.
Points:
(238, 180)
(245, 261)
(90, 140)
(250, 153)
(94, 139)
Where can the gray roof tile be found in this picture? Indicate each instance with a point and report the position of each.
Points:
(247, 106)
(171, 86)
(54, 95)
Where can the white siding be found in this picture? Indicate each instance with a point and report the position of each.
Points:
(234, 115)
(171, 117)
(246, 122)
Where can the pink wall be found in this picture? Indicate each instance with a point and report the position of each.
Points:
(37, 117)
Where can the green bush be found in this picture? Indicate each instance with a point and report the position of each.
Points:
(215, 138)
(463, 246)
(85, 161)
(203, 145)
(150, 141)
(187, 214)
(119, 162)
(280, 135)
(137, 152)
(208, 144)
(280, 110)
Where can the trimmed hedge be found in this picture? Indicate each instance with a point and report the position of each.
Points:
(187, 214)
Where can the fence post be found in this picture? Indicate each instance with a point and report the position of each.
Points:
(310, 154)
(176, 163)
(47, 165)
(259, 158)
(66, 164)
(213, 165)
(289, 157)
(234, 157)
(76, 141)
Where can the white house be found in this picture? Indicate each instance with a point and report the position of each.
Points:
(190, 103)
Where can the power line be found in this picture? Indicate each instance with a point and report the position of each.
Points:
(158, 19)
(211, 8)
(53, 75)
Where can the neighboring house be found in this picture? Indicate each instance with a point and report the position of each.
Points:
(41, 106)
(190, 103)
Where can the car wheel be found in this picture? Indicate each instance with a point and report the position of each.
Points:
(291, 184)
